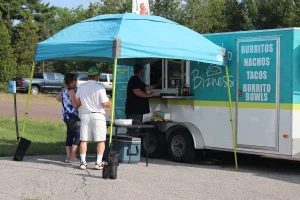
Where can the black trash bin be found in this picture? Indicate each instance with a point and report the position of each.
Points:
(22, 149)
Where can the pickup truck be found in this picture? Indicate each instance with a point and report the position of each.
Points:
(105, 79)
(46, 82)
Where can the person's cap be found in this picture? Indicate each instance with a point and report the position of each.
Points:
(137, 68)
(93, 71)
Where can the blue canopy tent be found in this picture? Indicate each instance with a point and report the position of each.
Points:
(128, 39)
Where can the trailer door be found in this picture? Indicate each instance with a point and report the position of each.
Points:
(257, 93)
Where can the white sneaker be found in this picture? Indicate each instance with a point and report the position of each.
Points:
(83, 166)
(99, 166)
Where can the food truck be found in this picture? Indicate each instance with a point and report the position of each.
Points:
(264, 77)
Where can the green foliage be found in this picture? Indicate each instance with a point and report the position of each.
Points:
(7, 58)
(26, 38)
(23, 23)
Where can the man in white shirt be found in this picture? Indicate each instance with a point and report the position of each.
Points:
(93, 99)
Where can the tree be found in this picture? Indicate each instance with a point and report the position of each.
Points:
(93, 10)
(115, 6)
(7, 57)
(216, 16)
(26, 38)
(170, 9)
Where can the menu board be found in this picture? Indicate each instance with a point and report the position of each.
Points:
(123, 75)
(257, 71)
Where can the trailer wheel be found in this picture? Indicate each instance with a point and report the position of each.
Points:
(181, 146)
(34, 90)
(157, 143)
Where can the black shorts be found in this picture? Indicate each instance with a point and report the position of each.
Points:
(73, 137)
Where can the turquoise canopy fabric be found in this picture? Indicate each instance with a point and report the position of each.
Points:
(130, 38)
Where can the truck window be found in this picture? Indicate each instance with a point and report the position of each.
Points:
(110, 78)
(156, 72)
(49, 76)
(59, 76)
(103, 78)
(82, 77)
(175, 75)
(85, 78)
(38, 75)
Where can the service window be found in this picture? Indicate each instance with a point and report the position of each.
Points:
(176, 73)
(103, 78)
(173, 73)
(156, 70)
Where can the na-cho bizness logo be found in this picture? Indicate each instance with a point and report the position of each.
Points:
(213, 70)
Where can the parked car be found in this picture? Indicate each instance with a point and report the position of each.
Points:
(46, 82)
(82, 77)
(105, 79)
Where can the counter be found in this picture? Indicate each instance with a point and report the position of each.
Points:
(167, 97)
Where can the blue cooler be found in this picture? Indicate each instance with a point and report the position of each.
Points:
(130, 149)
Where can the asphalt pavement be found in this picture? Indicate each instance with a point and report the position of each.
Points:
(47, 177)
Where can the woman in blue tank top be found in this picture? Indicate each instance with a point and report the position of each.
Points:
(69, 110)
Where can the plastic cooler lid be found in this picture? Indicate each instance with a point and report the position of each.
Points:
(128, 138)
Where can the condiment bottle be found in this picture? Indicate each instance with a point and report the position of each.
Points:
(181, 90)
(187, 89)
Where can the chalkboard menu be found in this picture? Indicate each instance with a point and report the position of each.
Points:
(123, 75)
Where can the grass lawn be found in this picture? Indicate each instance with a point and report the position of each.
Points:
(48, 99)
(48, 138)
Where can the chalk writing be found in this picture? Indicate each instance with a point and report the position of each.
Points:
(213, 70)
(213, 78)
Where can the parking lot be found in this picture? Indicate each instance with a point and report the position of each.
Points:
(48, 178)
(210, 177)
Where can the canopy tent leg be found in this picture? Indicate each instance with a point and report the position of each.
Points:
(28, 98)
(231, 119)
(113, 101)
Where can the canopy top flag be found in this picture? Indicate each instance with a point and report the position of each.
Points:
(141, 7)
(131, 39)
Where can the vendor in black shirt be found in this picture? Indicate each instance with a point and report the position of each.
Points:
(137, 102)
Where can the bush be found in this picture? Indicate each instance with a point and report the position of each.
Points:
(4, 86)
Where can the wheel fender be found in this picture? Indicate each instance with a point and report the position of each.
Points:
(195, 132)
(36, 85)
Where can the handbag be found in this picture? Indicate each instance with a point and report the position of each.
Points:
(73, 122)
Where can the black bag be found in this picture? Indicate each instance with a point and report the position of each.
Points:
(73, 122)
(21, 150)
(110, 170)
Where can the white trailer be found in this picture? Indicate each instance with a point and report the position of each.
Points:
(264, 77)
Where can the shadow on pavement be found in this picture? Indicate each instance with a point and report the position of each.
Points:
(271, 168)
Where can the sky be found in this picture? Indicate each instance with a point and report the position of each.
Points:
(69, 3)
